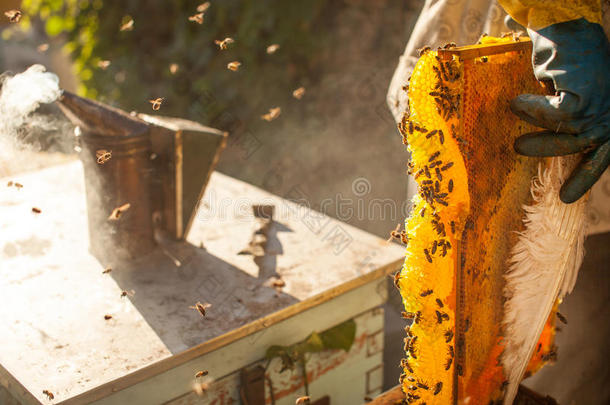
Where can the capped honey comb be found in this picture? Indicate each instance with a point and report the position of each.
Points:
(465, 218)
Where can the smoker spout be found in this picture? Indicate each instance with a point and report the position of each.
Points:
(96, 118)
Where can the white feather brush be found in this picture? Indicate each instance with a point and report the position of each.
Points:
(543, 266)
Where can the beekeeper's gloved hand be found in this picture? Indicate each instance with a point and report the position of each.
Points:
(575, 57)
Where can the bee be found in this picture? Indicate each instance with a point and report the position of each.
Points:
(434, 245)
(173, 68)
(439, 303)
(416, 316)
(278, 283)
(412, 397)
(201, 307)
(368, 399)
(562, 318)
(103, 64)
(439, 316)
(539, 347)
(428, 257)
(422, 385)
(49, 394)
(107, 270)
(412, 387)
(460, 371)
(447, 166)
(441, 137)
(405, 364)
(118, 211)
(271, 49)
(451, 352)
(448, 335)
(103, 156)
(438, 387)
(223, 44)
(127, 26)
(396, 279)
(424, 50)
(426, 293)
(202, 8)
(431, 134)
(299, 93)
(448, 363)
(427, 172)
(234, 66)
(452, 223)
(434, 156)
(302, 400)
(438, 173)
(197, 18)
(107, 317)
(13, 16)
(272, 114)
(467, 325)
(443, 71)
(450, 45)
(450, 185)
(125, 293)
(156, 103)
(484, 59)
(36, 210)
(201, 373)
(42, 48)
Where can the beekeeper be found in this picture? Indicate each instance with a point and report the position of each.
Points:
(571, 51)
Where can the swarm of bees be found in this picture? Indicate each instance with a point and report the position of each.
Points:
(234, 66)
(197, 18)
(128, 25)
(103, 155)
(302, 400)
(118, 212)
(156, 103)
(224, 43)
(272, 114)
(271, 49)
(13, 16)
(49, 394)
(201, 308)
(299, 93)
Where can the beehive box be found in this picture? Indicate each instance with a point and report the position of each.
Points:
(55, 297)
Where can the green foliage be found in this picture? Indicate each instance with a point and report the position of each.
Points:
(340, 337)
(162, 35)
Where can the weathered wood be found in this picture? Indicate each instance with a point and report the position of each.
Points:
(55, 295)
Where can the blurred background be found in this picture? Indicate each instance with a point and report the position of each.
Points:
(340, 132)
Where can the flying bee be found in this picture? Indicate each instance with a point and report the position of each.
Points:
(426, 293)
(302, 400)
(438, 387)
(224, 44)
(202, 8)
(173, 68)
(13, 16)
(272, 114)
(562, 318)
(156, 103)
(103, 156)
(299, 93)
(118, 211)
(439, 303)
(126, 293)
(103, 64)
(234, 66)
(49, 394)
(448, 335)
(107, 270)
(36, 210)
(128, 25)
(107, 317)
(271, 49)
(201, 307)
(197, 18)
(201, 373)
(428, 257)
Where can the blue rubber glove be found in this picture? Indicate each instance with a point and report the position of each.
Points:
(575, 57)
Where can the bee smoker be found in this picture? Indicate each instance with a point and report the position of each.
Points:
(158, 165)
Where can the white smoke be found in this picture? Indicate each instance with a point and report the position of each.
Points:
(20, 96)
